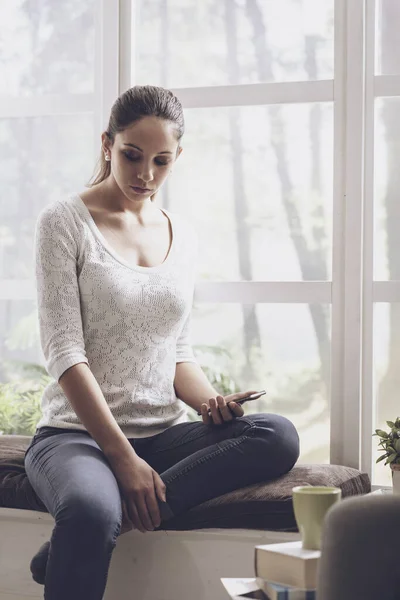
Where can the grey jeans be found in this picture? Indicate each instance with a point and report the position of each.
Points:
(197, 462)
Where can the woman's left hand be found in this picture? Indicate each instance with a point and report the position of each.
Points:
(220, 411)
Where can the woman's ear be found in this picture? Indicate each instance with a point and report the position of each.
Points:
(179, 152)
(105, 143)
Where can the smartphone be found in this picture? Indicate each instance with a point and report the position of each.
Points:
(254, 396)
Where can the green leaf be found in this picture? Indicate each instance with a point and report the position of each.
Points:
(391, 424)
(397, 445)
(381, 433)
(391, 458)
(381, 458)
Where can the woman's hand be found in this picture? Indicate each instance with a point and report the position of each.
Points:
(140, 487)
(127, 524)
(223, 408)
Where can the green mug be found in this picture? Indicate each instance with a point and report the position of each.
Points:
(310, 505)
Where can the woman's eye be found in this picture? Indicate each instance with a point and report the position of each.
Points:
(137, 158)
(130, 157)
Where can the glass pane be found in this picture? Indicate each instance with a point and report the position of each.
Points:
(41, 159)
(22, 374)
(282, 348)
(387, 37)
(257, 184)
(235, 42)
(387, 189)
(386, 378)
(47, 47)
(19, 336)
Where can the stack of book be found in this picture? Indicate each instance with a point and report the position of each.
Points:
(238, 589)
(287, 571)
(283, 572)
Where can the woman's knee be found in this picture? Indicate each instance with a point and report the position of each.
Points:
(281, 438)
(101, 516)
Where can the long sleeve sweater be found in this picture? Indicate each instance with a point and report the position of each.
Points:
(130, 324)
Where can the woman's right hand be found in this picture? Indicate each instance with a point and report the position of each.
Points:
(140, 486)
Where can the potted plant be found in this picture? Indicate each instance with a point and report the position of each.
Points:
(390, 445)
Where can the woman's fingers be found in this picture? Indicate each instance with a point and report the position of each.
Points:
(237, 409)
(144, 511)
(127, 524)
(204, 414)
(142, 505)
(153, 509)
(224, 409)
(220, 411)
(160, 487)
(135, 518)
(215, 414)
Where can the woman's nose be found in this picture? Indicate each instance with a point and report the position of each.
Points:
(145, 175)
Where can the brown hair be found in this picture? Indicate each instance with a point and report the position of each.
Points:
(134, 104)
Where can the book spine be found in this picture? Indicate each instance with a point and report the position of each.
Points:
(275, 591)
(298, 595)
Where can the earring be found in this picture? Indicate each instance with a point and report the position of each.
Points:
(107, 157)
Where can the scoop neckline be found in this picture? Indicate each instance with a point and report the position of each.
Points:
(96, 231)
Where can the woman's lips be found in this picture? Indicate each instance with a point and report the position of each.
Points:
(139, 190)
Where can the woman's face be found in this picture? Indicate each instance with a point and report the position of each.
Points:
(142, 156)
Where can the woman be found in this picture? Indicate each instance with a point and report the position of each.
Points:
(115, 279)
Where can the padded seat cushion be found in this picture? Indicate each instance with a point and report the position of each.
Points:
(265, 505)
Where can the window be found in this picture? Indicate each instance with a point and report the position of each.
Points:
(256, 179)
(288, 173)
(383, 130)
(48, 119)
(247, 42)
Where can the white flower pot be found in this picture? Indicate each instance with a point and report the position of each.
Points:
(396, 478)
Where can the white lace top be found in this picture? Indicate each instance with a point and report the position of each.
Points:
(130, 324)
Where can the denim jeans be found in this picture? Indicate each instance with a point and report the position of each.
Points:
(197, 462)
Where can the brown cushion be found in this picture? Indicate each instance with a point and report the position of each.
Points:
(261, 506)
(15, 488)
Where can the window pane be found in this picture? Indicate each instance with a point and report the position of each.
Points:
(234, 42)
(47, 47)
(282, 348)
(19, 336)
(386, 378)
(387, 189)
(387, 37)
(42, 159)
(257, 184)
(22, 374)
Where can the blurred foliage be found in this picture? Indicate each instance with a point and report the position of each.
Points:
(220, 380)
(20, 399)
(207, 356)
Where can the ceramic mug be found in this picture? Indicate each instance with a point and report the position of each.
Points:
(310, 504)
